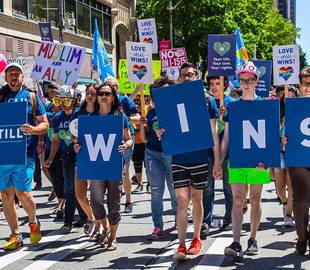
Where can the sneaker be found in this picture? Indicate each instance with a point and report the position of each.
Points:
(66, 228)
(59, 214)
(89, 226)
(138, 189)
(180, 253)
(288, 221)
(15, 241)
(80, 223)
(301, 247)
(156, 234)
(226, 226)
(204, 231)
(234, 250)
(195, 247)
(252, 247)
(128, 208)
(35, 232)
(52, 196)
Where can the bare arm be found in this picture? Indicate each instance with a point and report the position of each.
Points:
(39, 129)
(54, 149)
(217, 169)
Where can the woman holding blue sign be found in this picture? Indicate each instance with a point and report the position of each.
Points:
(300, 179)
(240, 178)
(109, 104)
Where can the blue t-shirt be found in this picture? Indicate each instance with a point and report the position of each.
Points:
(81, 111)
(24, 96)
(126, 120)
(61, 124)
(152, 126)
(201, 156)
(129, 108)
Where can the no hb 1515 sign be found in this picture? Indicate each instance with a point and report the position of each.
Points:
(172, 58)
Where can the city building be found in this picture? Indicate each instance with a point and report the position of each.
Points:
(287, 9)
(20, 37)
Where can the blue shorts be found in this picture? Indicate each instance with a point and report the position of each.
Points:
(127, 155)
(19, 176)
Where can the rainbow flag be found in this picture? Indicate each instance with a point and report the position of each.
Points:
(241, 52)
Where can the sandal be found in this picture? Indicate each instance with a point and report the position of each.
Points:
(112, 245)
(94, 237)
(103, 238)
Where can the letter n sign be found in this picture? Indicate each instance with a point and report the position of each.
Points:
(297, 129)
(254, 133)
(99, 137)
(182, 111)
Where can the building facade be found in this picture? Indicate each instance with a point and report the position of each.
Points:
(287, 9)
(19, 31)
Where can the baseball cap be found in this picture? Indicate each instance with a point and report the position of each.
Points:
(248, 67)
(66, 91)
(13, 64)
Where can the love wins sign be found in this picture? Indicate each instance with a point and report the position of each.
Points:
(221, 55)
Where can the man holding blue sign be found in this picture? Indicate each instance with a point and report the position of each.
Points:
(18, 178)
(190, 171)
(240, 178)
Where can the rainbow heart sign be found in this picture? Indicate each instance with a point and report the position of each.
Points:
(286, 72)
(139, 71)
(148, 40)
(285, 64)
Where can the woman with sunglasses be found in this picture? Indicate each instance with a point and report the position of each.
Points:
(108, 105)
(62, 140)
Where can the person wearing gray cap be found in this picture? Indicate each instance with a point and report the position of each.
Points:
(18, 178)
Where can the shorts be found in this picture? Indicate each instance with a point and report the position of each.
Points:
(19, 176)
(127, 155)
(138, 152)
(251, 176)
(185, 175)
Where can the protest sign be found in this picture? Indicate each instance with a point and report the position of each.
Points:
(139, 57)
(46, 31)
(12, 141)
(27, 63)
(254, 132)
(285, 65)
(127, 87)
(58, 63)
(99, 137)
(297, 131)
(164, 44)
(172, 58)
(264, 73)
(177, 108)
(148, 33)
(221, 55)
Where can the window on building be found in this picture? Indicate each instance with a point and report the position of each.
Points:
(38, 10)
(1, 5)
(96, 14)
(19, 7)
(70, 11)
(53, 12)
(83, 19)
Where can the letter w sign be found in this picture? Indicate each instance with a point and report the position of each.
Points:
(99, 137)
(254, 133)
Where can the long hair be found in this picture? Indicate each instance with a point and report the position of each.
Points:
(84, 103)
(115, 107)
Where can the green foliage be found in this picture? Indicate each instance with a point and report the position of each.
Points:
(193, 20)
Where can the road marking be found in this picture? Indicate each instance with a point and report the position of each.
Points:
(58, 254)
(214, 257)
(26, 250)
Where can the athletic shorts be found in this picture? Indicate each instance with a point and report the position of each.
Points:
(185, 175)
(251, 176)
(138, 152)
(19, 176)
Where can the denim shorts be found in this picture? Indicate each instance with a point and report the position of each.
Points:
(19, 176)
(127, 155)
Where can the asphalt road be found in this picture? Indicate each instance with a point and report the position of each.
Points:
(74, 251)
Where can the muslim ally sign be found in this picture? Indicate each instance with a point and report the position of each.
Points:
(264, 72)
(58, 63)
(148, 33)
(139, 56)
(221, 55)
(286, 64)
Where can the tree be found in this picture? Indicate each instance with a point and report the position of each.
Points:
(303, 59)
(259, 24)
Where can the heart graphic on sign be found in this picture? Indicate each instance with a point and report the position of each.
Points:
(222, 48)
(148, 40)
(261, 71)
(45, 31)
(139, 71)
(286, 72)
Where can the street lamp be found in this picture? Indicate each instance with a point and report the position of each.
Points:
(171, 8)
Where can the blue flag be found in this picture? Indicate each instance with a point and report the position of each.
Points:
(100, 60)
(241, 51)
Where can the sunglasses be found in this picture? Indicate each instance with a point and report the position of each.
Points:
(67, 102)
(248, 81)
(188, 75)
(104, 94)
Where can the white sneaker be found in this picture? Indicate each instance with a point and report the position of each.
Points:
(288, 221)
